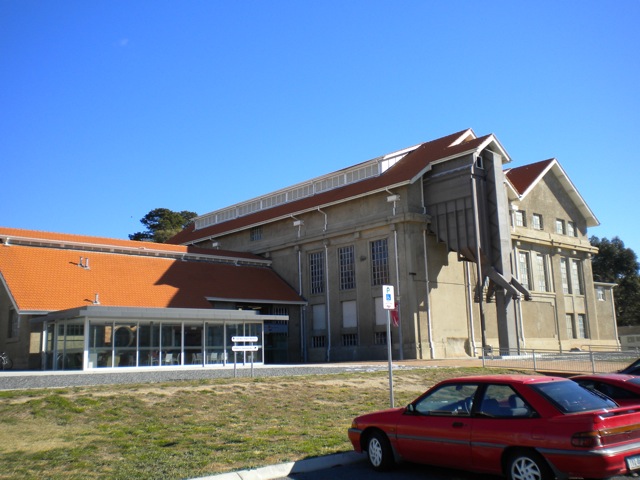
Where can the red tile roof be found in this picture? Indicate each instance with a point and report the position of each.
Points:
(524, 177)
(407, 170)
(90, 242)
(45, 279)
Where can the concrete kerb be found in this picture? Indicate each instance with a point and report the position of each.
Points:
(285, 469)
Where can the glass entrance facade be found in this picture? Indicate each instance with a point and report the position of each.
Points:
(146, 343)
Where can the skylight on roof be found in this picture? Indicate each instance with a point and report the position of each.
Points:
(356, 173)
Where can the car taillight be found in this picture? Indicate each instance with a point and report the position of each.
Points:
(354, 424)
(586, 439)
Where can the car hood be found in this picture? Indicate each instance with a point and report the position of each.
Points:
(382, 415)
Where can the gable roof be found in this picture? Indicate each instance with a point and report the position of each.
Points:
(524, 179)
(90, 243)
(413, 163)
(42, 278)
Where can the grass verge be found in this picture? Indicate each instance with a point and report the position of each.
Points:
(191, 429)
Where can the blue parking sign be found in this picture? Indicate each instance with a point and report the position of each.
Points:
(388, 301)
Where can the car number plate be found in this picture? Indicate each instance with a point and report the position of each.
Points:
(633, 463)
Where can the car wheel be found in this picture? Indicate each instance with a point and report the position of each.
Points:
(379, 451)
(528, 465)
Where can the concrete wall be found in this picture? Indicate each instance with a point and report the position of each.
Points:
(438, 315)
(24, 349)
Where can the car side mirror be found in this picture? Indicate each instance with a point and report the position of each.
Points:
(411, 408)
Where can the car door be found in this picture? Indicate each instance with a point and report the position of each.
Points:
(501, 418)
(436, 429)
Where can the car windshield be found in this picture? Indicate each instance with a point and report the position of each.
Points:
(569, 397)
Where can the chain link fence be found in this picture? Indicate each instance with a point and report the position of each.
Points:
(576, 361)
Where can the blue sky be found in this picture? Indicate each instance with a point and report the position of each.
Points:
(109, 109)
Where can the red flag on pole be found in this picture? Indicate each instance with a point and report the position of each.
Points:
(395, 315)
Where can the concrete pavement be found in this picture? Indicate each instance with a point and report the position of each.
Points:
(285, 469)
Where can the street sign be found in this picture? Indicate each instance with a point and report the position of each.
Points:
(245, 348)
(244, 339)
(388, 300)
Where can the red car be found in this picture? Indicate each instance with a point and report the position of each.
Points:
(624, 389)
(523, 427)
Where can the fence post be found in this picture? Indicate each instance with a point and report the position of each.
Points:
(593, 363)
(535, 367)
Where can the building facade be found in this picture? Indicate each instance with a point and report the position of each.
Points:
(480, 256)
(77, 302)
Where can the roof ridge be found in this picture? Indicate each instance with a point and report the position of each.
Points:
(16, 236)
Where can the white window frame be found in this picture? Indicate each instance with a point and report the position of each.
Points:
(542, 277)
(536, 221)
(523, 269)
(581, 326)
(576, 277)
(564, 273)
(571, 331)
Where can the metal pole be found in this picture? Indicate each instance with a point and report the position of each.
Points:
(389, 356)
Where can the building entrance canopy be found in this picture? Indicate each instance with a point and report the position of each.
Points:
(111, 337)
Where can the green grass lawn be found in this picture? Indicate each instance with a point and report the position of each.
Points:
(191, 429)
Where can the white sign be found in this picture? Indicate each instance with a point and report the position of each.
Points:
(244, 339)
(245, 348)
(388, 300)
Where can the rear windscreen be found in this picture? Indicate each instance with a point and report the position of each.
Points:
(569, 397)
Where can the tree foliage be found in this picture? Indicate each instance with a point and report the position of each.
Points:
(162, 224)
(614, 263)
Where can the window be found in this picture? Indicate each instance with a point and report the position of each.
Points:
(565, 275)
(379, 262)
(519, 218)
(600, 294)
(350, 340)
(381, 313)
(380, 338)
(560, 227)
(576, 277)
(576, 325)
(454, 399)
(558, 392)
(523, 269)
(318, 341)
(571, 333)
(255, 234)
(349, 314)
(13, 324)
(571, 229)
(346, 257)
(541, 273)
(319, 313)
(501, 401)
(536, 221)
(316, 272)
(581, 325)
